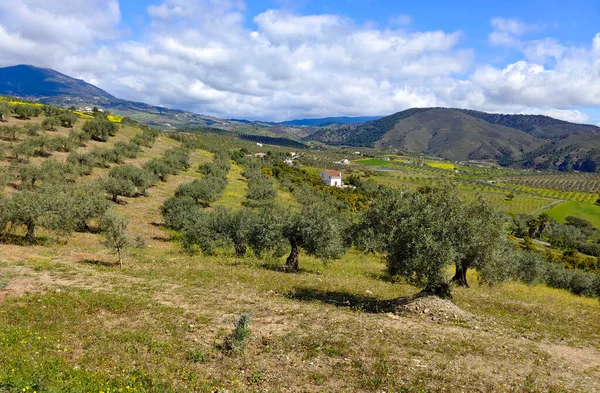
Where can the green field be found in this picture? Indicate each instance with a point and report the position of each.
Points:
(587, 211)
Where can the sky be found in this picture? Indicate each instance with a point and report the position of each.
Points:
(283, 59)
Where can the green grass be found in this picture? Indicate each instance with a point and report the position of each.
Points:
(376, 162)
(587, 211)
(235, 192)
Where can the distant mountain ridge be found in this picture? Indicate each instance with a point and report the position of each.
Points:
(325, 121)
(461, 134)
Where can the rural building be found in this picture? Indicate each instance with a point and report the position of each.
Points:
(332, 178)
(260, 155)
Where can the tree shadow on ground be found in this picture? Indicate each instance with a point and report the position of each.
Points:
(17, 240)
(364, 303)
(99, 263)
(281, 268)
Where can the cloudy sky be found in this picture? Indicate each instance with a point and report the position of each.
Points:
(277, 60)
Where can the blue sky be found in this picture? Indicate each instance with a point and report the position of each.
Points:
(284, 59)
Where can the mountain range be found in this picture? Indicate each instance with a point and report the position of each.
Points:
(455, 134)
(461, 134)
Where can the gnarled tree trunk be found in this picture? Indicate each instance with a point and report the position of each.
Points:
(240, 250)
(439, 290)
(460, 276)
(30, 235)
(291, 263)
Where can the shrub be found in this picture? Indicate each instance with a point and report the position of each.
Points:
(238, 339)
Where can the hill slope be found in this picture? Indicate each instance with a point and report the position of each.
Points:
(460, 134)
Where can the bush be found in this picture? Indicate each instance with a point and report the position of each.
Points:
(239, 337)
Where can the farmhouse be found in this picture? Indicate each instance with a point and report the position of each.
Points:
(332, 178)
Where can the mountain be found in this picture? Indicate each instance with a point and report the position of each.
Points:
(51, 87)
(460, 134)
(32, 82)
(325, 121)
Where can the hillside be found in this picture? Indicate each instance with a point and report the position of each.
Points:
(72, 320)
(459, 134)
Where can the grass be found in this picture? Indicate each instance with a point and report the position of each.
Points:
(586, 211)
(235, 192)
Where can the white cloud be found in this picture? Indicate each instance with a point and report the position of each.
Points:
(199, 55)
(513, 26)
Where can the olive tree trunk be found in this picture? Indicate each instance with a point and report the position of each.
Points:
(460, 276)
(291, 263)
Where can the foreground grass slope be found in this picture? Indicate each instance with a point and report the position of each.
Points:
(70, 321)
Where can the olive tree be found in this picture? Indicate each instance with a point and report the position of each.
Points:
(319, 229)
(261, 192)
(425, 233)
(114, 228)
(204, 191)
(68, 119)
(117, 186)
(221, 227)
(100, 128)
(51, 123)
(177, 210)
(4, 111)
(139, 177)
(23, 112)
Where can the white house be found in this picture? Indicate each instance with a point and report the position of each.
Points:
(332, 178)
